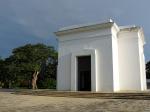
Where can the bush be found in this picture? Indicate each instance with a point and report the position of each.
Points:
(47, 84)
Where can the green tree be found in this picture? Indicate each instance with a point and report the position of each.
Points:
(25, 60)
(148, 70)
(1, 72)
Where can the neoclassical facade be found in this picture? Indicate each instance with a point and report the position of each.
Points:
(101, 57)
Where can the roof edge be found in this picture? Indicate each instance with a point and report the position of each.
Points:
(84, 28)
(129, 28)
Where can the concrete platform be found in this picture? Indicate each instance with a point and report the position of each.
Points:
(117, 95)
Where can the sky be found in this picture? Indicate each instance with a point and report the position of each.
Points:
(34, 21)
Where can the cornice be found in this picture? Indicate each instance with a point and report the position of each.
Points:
(99, 26)
(134, 28)
(85, 28)
(88, 37)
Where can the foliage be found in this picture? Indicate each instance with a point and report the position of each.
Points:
(148, 70)
(1, 72)
(17, 69)
(48, 83)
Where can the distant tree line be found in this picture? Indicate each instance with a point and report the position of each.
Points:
(17, 70)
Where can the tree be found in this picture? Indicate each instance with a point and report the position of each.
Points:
(25, 60)
(148, 70)
(1, 72)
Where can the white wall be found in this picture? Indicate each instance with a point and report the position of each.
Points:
(115, 60)
(101, 40)
(120, 61)
(142, 63)
(129, 63)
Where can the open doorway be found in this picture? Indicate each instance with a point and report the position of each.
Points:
(84, 73)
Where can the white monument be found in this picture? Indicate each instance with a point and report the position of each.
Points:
(101, 57)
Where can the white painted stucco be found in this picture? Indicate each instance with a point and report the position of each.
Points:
(117, 58)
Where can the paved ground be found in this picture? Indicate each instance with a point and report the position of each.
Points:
(26, 103)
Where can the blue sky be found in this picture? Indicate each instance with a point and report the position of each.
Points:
(34, 21)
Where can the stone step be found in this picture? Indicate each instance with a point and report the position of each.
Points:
(131, 95)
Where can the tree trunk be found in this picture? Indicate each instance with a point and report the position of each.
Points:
(34, 80)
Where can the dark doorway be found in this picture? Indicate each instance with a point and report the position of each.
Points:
(84, 73)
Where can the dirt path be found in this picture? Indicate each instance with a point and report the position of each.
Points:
(25, 103)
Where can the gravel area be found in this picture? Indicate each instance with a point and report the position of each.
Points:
(26, 103)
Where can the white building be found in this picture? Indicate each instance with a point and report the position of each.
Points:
(101, 57)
